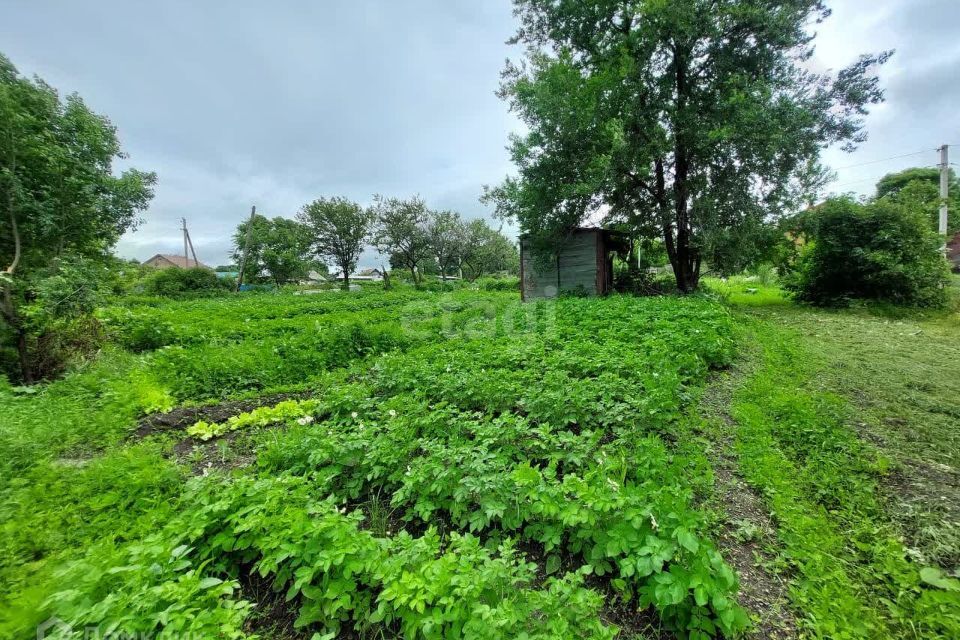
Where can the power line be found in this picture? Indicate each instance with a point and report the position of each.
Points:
(847, 184)
(906, 155)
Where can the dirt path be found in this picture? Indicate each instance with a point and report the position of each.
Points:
(748, 538)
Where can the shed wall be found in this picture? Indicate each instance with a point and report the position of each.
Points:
(578, 267)
(578, 264)
(538, 280)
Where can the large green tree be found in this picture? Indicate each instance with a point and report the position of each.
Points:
(446, 237)
(60, 199)
(339, 230)
(278, 249)
(686, 119)
(486, 250)
(399, 231)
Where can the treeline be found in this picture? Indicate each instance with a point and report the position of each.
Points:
(336, 231)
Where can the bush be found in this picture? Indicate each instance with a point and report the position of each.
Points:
(55, 308)
(491, 283)
(176, 282)
(875, 251)
(643, 282)
(136, 330)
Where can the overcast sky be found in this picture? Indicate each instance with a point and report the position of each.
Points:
(276, 103)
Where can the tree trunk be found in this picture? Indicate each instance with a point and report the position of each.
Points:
(346, 280)
(685, 259)
(413, 274)
(24, 355)
(386, 279)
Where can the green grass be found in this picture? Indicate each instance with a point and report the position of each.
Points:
(472, 466)
(838, 408)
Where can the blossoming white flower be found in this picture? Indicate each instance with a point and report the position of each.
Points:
(393, 413)
(305, 420)
(653, 522)
(354, 414)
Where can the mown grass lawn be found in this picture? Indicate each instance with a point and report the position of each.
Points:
(845, 425)
(416, 464)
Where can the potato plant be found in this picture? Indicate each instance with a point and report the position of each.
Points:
(467, 466)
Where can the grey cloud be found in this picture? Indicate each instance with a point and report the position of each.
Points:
(920, 82)
(243, 102)
(278, 103)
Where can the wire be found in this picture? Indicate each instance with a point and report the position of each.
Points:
(906, 155)
(847, 184)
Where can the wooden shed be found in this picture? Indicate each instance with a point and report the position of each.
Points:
(582, 264)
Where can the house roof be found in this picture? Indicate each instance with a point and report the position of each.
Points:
(177, 261)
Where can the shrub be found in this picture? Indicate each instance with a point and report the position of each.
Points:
(174, 282)
(55, 317)
(491, 283)
(875, 251)
(136, 330)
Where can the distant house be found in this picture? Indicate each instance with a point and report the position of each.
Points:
(582, 264)
(370, 275)
(166, 261)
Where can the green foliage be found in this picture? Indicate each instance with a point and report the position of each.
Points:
(878, 250)
(732, 250)
(277, 251)
(486, 251)
(480, 425)
(918, 189)
(399, 232)
(460, 433)
(446, 237)
(694, 122)
(259, 417)
(498, 284)
(338, 230)
(175, 282)
(146, 588)
(55, 313)
(62, 202)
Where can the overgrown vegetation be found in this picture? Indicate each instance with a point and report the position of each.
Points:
(63, 210)
(475, 439)
(184, 282)
(879, 250)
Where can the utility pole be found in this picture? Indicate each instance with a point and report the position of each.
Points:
(944, 192)
(188, 241)
(186, 256)
(246, 248)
